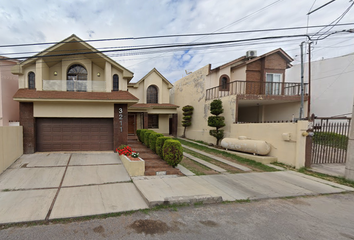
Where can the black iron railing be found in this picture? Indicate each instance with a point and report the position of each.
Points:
(256, 88)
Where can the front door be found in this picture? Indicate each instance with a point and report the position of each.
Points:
(131, 124)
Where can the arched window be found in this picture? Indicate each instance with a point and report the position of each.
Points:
(115, 82)
(152, 94)
(76, 78)
(224, 83)
(31, 80)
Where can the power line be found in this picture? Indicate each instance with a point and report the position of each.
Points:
(176, 35)
(165, 46)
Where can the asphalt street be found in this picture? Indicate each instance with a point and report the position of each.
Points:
(314, 217)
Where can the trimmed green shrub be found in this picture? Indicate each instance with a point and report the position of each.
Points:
(187, 119)
(172, 152)
(138, 133)
(146, 137)
(142, 134)
(152, 140)
(159, 144)
(216, 121)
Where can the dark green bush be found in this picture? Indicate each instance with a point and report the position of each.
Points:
(216, 121)
(142, 134)
(152, 140)
(159, 145)
(146, 137)
(138, 133)
(331, 139)
(187, 118)
(172, 152)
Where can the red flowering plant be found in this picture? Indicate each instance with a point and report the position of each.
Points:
(124, 150)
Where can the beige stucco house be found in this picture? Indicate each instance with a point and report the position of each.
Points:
(153, 111)
(74, 98)
(8, 86)
(252, 89)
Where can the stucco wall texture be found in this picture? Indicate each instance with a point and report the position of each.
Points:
(11, 146)
(191, 90)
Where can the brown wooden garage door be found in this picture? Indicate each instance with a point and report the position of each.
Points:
(74, 134)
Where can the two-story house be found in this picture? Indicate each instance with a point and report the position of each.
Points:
(74, 98)
(252, 89)
(153, 111)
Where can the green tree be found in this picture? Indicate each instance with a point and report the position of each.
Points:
(216, 120)
(187, 118)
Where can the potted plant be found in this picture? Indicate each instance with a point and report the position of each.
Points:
(134, 165)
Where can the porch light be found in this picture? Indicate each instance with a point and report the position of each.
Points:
(98, 74)
(55, 73)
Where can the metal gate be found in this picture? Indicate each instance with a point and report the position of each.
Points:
(330, 140)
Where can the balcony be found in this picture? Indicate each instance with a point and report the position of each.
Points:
(74, 85)
(256, 88)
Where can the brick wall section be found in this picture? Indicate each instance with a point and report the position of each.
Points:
(174, 125)
(29, 127)
(146, 120)
(120, 125)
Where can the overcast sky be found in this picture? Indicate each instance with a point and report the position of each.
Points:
(46, 21)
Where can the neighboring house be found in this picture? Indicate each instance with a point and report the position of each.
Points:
(332, 85)
(9, 110)
(252, 89)
(153, 111)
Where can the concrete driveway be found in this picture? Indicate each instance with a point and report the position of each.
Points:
(46, 186)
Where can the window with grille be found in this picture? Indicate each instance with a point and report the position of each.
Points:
(152, 95)
(153, 121)
(76, 79)
(224, 83)
(31, 80)
(115, 82)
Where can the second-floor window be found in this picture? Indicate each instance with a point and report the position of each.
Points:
(224, 83)
(76, 79)
(31, 80)
(115, 82)
(152, 94)
(273, 84)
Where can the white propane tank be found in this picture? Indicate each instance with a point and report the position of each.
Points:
(243, 144)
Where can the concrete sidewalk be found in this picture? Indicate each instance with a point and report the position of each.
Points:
(231, 187)
(46, 186)
(56, 185)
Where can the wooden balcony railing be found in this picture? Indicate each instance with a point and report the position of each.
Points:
(256, 88)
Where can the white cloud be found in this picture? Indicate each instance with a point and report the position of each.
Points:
(41, 21)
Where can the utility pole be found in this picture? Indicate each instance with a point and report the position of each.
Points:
(302, 81)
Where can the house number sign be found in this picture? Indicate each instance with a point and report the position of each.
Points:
(120, 111)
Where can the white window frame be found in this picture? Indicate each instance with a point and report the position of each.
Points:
(272, 87)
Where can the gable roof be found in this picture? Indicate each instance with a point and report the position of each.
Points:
(244, 60)
(71, 46)
(154, 70)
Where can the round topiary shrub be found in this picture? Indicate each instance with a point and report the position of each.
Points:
(146, 137)
(172, 152)
(159, 144)
(142, 134)
(152, 140)
(138, 134)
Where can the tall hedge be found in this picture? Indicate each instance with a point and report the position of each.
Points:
(152, 140)
(142, 134)
(172, 152)
(159, 145)
(138, 133)
(146, 137)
